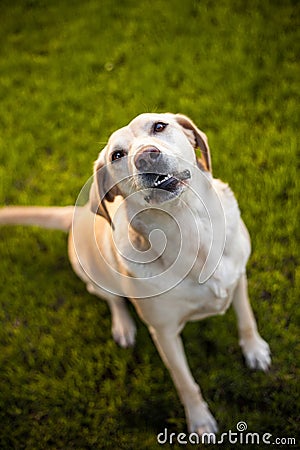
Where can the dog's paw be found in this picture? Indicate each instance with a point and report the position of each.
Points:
(257, 353)
(123, 331)
(202, 421)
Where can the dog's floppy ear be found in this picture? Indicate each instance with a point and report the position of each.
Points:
(198, 139)
(102, 189)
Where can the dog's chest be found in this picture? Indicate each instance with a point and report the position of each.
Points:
(188, 301)
(186, 293)
(201, 300)
(194, 271)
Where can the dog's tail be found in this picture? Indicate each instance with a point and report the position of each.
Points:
(56, 217)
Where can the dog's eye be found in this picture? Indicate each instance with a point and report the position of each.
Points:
(159, 127)
(118, 154)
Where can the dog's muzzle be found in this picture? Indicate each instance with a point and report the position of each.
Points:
(156, 171)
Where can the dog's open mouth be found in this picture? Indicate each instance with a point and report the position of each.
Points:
(163, 187)
(169, 182)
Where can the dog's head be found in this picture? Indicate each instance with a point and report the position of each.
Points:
(152, 155)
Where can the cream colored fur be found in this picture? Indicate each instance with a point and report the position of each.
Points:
(98, 243)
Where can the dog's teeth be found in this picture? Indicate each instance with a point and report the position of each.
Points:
(157, 182)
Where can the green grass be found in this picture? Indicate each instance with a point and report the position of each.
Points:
(71, 73)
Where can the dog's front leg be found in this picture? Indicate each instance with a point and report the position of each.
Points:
(123, 327)
(170, 347)
(255, 349)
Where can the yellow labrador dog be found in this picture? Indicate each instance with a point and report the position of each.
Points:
(159, 230)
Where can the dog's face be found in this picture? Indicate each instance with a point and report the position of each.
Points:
(153, 156)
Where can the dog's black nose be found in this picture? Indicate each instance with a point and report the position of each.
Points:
(146, 158)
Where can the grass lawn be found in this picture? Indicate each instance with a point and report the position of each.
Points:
(71, 73)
